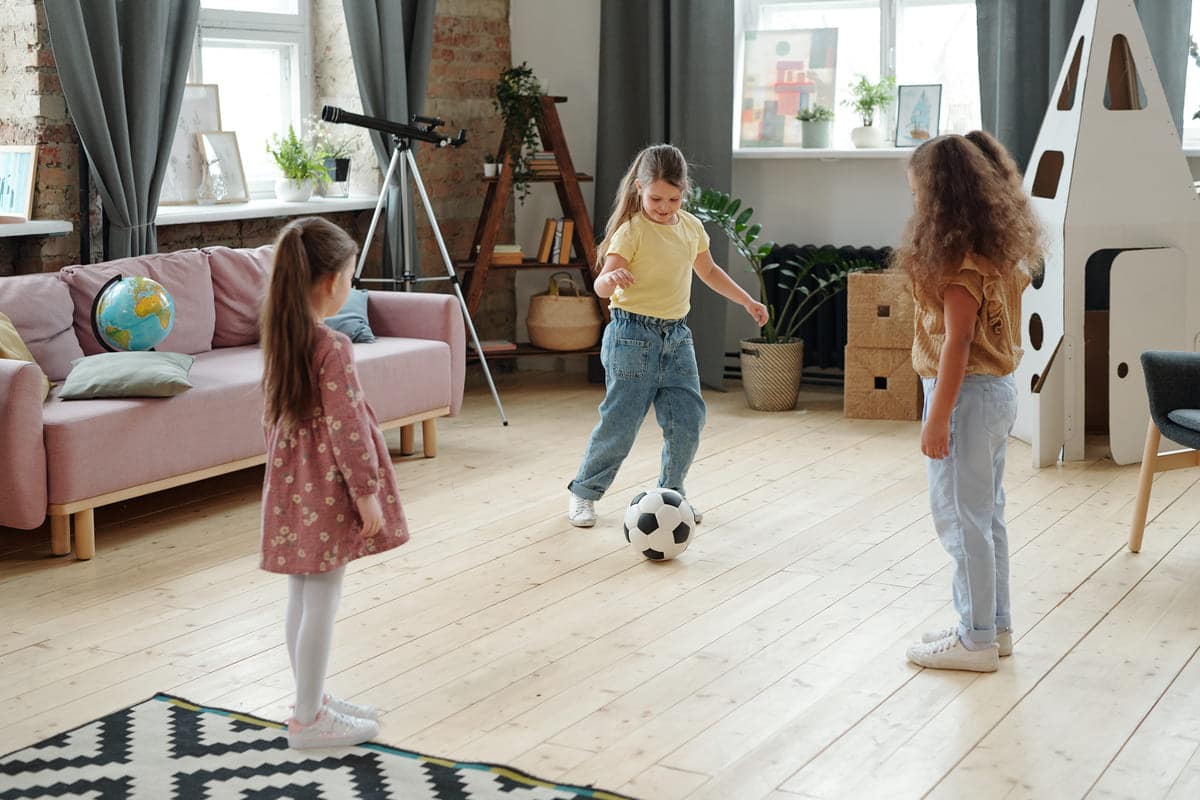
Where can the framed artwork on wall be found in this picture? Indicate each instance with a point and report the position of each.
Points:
(784, 72)
(918, 112)
(18, 169)
(200, 112)
(226, 180)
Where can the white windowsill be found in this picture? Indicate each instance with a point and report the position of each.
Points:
(37, 227)
(822, 154)
(258, 209)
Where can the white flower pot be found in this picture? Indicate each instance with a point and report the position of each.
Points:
(816, 133)
(867, 136)
(291, 191)
(490, 170)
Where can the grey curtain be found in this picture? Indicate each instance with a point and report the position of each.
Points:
(1022, 45)
(123, 65)
(391, 43)
(666, 75)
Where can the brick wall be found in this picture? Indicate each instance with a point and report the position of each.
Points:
(471, 47)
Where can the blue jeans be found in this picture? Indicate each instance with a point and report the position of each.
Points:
(647, 362)
(966, 497)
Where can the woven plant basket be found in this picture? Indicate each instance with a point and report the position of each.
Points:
(564, 318)
(771, 373)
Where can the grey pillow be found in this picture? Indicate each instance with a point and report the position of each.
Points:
(143, 373)
(352, 319)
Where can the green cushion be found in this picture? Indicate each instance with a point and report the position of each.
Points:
(133, 374)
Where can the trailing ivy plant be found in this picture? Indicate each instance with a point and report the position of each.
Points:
(802, 292)
(518, 99)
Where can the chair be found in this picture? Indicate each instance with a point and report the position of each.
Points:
(1173, 388)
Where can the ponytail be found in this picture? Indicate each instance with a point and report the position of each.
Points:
(660, 162)
(306, 250)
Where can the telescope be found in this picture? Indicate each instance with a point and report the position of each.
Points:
(424, 132)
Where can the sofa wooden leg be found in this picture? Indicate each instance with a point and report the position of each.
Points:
(1145, 481)
(408, 440)
(60, 534)
(85, 534)
(429, 437)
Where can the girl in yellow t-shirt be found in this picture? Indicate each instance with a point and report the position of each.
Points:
(971, 230)
(650, 250)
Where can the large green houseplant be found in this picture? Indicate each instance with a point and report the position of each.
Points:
(791, 289)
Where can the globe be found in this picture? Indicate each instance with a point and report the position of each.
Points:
(133, 313)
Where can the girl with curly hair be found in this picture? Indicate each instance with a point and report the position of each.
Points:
(968, 250)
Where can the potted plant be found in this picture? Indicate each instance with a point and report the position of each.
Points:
(301, 168)
(866, 99)
(816, 126)
(772, 363)
(489, 166)
(333, 151)
(519, 101)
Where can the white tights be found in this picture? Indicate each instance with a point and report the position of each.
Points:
(312, 606)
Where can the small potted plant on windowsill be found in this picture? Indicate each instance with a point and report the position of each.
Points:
(866, 99)
(334, 153)
(816, 126)
(301, 168)
(489, 166)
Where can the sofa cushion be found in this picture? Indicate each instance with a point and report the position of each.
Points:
(240, 279)
(185, 274)
(40, 309)
(217, 421)
(136, 374)
(352, 319)
(13, 346)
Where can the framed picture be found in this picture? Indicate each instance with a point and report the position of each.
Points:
(200, 112)
(918, 112)
(227, 179)
(782, 73)
(18, 168)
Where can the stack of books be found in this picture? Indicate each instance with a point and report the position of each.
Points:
(543, 163)
(555, 247)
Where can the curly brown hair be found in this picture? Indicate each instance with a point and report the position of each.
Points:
(967, 200)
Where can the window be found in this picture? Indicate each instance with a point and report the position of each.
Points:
(258, 53)
(1191, 96)
(919, 41)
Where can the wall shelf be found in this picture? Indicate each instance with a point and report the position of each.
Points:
(37, 227)
(262, 208)
(822, 154)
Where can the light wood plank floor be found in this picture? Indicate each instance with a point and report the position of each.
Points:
(768, 662)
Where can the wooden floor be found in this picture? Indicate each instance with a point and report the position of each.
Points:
(767, 662)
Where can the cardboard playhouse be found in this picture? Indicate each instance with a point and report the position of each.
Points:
(1112, 188)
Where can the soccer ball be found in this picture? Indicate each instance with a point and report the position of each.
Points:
(659, 524)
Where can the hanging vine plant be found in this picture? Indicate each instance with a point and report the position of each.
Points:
(518, 99)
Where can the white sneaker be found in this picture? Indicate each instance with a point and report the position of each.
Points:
(699, 516)
(951, 653)
(1003, 638)
(359, 710)
(581, 512)
(330, 729)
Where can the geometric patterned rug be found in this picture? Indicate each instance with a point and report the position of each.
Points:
(166, 747)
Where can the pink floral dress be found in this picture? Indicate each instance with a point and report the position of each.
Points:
(316, 470)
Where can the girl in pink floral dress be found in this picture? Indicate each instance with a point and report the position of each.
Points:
(329, 495)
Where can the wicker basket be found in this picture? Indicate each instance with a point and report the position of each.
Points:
(564, 318)
(771, 373)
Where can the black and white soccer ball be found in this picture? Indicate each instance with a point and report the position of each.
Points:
(659, 524)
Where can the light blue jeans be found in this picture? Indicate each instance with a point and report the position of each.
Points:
(966, 497)
(647, 362)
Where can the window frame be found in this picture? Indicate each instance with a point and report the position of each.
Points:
(290, 30)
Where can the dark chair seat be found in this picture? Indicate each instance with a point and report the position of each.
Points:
(1188, 418)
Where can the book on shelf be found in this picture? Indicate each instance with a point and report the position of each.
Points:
(556, 247)
(505, 254)
(495, 345)
(543, 252)
(568, 230)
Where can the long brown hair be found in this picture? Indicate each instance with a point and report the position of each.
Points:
(658, 162)
(306, 250)
(968, 199)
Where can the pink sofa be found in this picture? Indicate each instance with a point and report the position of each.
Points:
(65, 458)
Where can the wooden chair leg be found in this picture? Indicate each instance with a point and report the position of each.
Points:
(85, 534)
(1145, 480)
(429, 437)
(408, 440)
(60, 534)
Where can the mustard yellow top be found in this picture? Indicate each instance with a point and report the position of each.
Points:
(660, 258)
(996, 349)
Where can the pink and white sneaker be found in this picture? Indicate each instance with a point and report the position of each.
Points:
(360, 710)
(330, 729)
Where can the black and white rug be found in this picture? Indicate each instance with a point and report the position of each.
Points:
(167, 747)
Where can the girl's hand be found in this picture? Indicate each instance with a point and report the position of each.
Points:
(758, 311)
(371, 514)
(619, 278)
(935, 438)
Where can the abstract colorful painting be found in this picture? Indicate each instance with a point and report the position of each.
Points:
(784, 72)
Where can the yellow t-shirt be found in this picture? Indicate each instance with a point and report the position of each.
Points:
(660, 258)
(996, 349)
